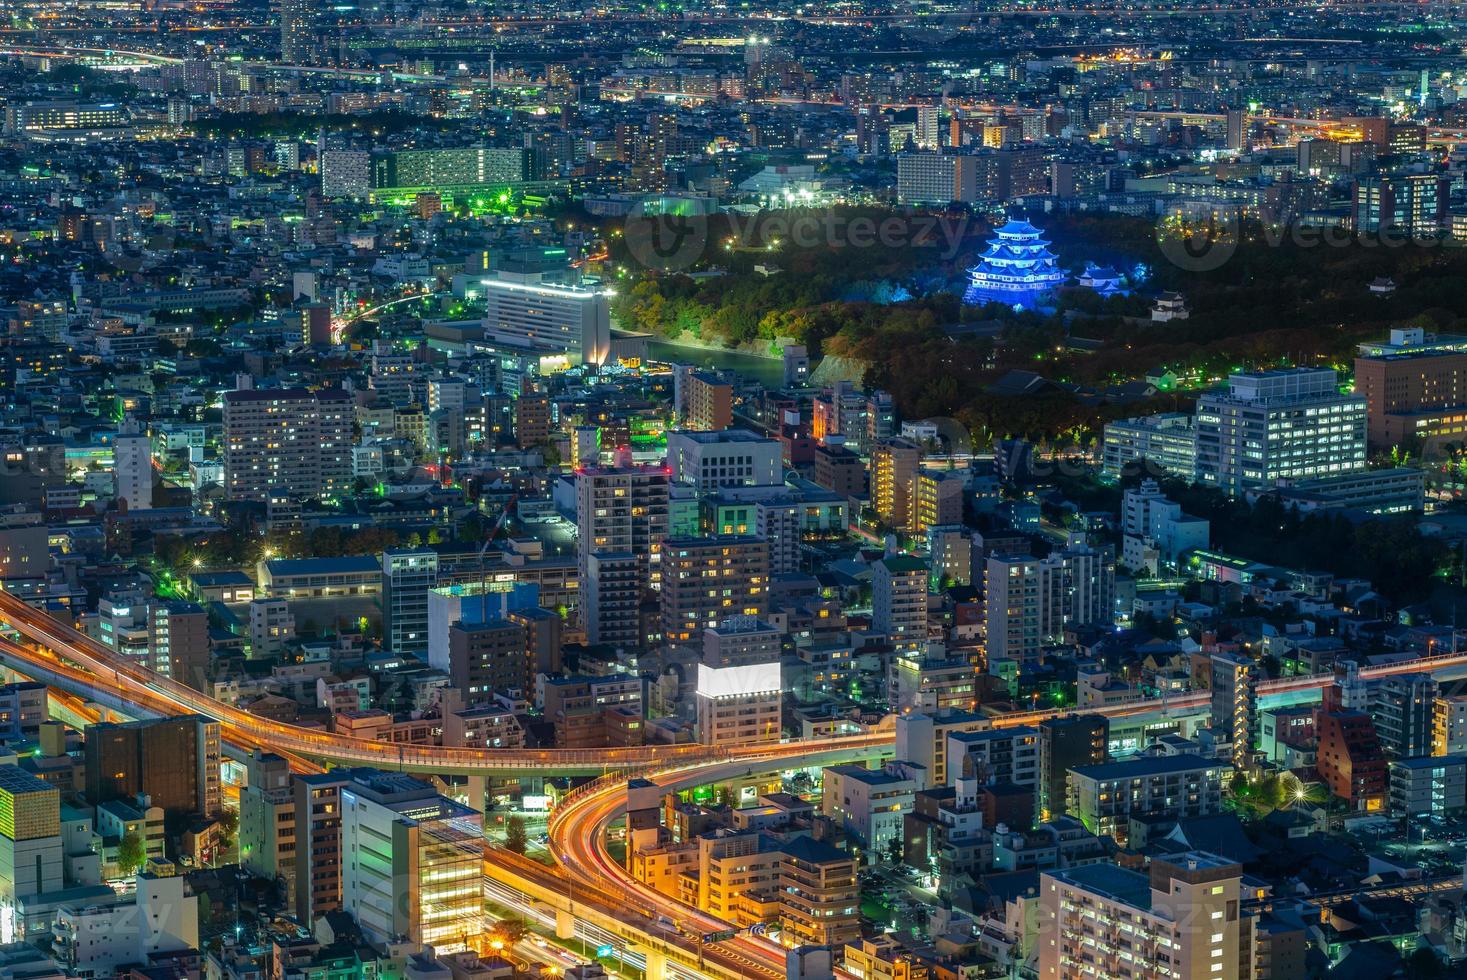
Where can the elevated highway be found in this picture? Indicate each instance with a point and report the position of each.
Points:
(75, 662)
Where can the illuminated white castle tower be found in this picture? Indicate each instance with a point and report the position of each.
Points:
(1017, 269)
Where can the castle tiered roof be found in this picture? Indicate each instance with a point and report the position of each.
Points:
(1017, 267)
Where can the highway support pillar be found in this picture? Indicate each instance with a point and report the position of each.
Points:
(565, 924)
(476, 790)
(656, 965)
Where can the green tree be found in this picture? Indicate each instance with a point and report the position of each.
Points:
(508, 932)
(1423, 964)
(229, 825)
(130, 853)
(515, 838)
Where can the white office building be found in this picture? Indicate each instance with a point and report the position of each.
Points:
(412, 862)
(132, 464)
(739, 705)
(95, 938)
(1272, 425)
(1167, 442)
(711, 461)
(527, 310)
(871, 804)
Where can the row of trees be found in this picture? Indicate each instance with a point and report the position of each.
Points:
(1390, 552)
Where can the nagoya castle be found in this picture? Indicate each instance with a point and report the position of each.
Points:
(1016, 270)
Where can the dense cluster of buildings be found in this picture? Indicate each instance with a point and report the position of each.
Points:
(319, 397)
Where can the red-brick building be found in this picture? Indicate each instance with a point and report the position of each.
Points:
(1351, 762)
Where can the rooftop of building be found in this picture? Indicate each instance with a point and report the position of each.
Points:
(871, 777)
(1109, 881)
(904, 564)
(345, 565)
(813, 851)
(721, 436)
(1143, 767)
(994, 734)
(208, 580)
(16, 781)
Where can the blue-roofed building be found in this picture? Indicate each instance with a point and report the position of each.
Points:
(1103, 279)
(300, 578)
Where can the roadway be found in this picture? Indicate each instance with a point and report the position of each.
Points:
(578, 841)
(76, 662)
(610, 898)
(579, 825)
(1410, 889)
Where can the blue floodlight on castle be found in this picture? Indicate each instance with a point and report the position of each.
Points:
(1017, 269)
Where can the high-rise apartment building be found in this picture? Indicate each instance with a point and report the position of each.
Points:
(937, 499)
(408, 575)
(346, 171)
(937, 178)
(175, 761)
(894, 465)
(1182, 922)
(899, 602)
(489, 657)
(289, 440)
(267, 841)
(318, 854)
(1064, 744)
(1105, 797)
(1030, 601)
(706, 581)
(300, 32)
(710, 402)
(405, 173)
(819, 894)
(622, 517)
(1403, 706)
(1235, 704)
(132, 465)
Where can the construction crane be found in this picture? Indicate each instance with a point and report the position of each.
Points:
(484, 549)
